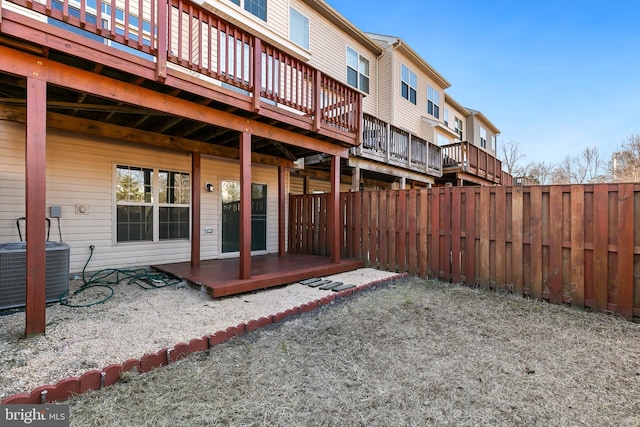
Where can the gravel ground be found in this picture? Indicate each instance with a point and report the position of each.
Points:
(132, 323)
(416, 353)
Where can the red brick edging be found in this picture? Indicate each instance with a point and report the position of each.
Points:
(97, 379)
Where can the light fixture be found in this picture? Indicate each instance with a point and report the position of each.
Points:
(209, 187)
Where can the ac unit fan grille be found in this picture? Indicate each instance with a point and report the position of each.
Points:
(13, 273)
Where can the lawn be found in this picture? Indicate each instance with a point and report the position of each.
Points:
(414, 353)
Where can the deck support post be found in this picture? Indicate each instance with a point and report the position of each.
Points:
(282, 199)
(245, 205)
(355, 179)
(335, 226)
(35, 195)
(196, 173)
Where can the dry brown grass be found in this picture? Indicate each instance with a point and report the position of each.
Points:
(414, 353)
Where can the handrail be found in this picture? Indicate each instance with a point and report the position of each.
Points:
(396, 146)
(193, 37)
(471, 159)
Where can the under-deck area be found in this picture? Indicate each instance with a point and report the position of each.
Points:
(220, 277)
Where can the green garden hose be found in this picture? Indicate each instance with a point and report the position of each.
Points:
(107, 278)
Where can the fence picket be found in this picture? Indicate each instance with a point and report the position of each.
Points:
(470, 237)
(624, 298)
(577, 245)
(535, 251)
(500, 236)
(517, 239)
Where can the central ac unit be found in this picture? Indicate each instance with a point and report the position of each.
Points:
(13, 266)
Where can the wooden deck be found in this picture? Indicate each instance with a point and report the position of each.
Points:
(220, 277)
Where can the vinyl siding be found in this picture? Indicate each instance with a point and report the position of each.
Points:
(386, 83)
(81, 171)
(328, 46)
(407, 115)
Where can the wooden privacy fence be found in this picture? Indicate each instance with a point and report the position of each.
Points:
(575, 244)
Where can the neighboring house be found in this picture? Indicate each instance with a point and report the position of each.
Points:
(164, 132)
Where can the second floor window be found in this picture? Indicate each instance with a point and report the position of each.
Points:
(255, 7)
(433, 102)
(458, 126)
(483, 137)
(446, 117)
(298, 28)
(357, 70)
(409, 85)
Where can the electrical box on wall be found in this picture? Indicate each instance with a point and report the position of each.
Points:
(55, 211)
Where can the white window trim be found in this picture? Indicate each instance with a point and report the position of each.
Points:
(357, 69)
(291, 8)
(155, 204)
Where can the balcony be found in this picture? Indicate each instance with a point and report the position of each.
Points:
(385, 143)
(466, 158)
(184, 50)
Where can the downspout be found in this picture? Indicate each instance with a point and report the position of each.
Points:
(378, 84)
(393, 81)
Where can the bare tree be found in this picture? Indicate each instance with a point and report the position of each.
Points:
(586, 166)
(539, 172)
(511, 155)
(625, 163)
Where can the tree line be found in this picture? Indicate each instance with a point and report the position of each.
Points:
(587, 166)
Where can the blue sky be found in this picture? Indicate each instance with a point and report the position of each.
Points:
(555, 76)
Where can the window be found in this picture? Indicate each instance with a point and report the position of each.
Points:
(483, 137)
(442, 140)
(493, 142)
(298, 28)
(433, 102)
(446, 117)
(357, 70)
(458, 126)
(409, 85)
(255, 7)
(151, 205)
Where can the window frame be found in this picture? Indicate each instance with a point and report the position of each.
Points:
(362, 70)
(433, 102)
(246, 6)
(304, 42)
(151, 200)
(458, 121)
(483, 137)
(411, 85)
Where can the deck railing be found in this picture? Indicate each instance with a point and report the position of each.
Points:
(389, 144)
(471, 159)
(192, 37)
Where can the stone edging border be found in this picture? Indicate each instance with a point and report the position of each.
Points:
(97, 379)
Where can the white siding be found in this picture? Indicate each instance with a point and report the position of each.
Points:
(386, 84)
(328, 46)
(81, 170)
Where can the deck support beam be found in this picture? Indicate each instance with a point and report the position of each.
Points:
(245, 205)
(334, 211)
(282, 199)
(35, 195)
(196, 173)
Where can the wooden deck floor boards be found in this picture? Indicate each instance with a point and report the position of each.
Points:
(220, 277)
